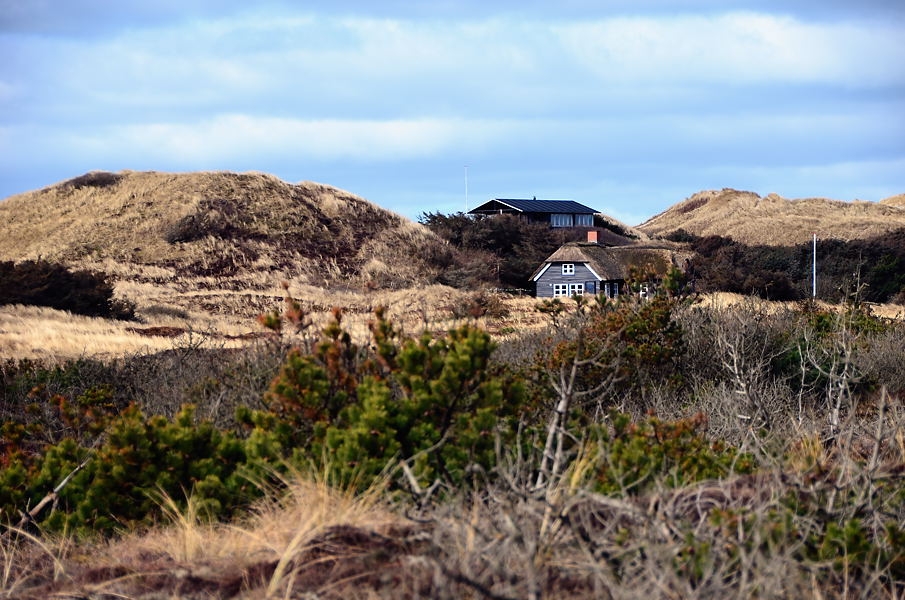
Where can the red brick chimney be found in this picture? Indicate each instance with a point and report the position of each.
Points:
(592, 237)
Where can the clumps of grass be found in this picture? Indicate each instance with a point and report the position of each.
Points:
(482, 304)
(691, 204)
(215, 217)
(165, 311)
(94, 179)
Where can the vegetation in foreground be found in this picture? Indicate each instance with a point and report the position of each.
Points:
(657, 449)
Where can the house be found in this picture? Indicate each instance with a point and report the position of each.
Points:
(578, 268)
(558, 213)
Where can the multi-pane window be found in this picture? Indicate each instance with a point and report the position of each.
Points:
(568, 268)
(560, 220)
(584, 220)
(568, 289)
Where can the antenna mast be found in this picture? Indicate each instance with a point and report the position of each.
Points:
(466, 188)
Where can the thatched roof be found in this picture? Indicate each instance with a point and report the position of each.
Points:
(616, 263)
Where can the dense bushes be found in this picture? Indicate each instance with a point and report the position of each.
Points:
(438, 405)
(498, 251)
(94, 179)
(767, 481)
(875, 268)
(41, 283)
(637, 456)
(138, 460)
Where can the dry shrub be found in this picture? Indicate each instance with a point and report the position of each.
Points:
(94, 179)
(882, 360)
(483, 304)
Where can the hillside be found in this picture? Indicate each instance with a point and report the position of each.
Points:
(773, 220)
(215, 224)
(188, 247)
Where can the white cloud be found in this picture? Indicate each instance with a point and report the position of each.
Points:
(318, 66)
(737, 48)
(538, 101)
(227, 137)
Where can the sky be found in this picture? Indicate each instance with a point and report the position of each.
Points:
(437, 106)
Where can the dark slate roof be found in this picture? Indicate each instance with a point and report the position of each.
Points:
(534, 206)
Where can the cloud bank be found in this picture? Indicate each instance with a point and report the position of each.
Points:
(639, 107)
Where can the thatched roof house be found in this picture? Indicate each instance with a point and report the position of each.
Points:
(591, 268)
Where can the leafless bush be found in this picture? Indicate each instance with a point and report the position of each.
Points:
(216, 381)
(777, 533)
(882, 358)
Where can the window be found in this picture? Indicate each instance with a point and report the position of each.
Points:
(560, 220)
(568, 289)
(584, 220)
(568, 268)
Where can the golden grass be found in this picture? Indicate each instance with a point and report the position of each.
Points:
(228, 319)
(52, 335)
(773, 220)
(274, 533)
(728, 299)
(185, 313)
(303, 506)
(241, 226)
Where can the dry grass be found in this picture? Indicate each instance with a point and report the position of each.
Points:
(172, 315)
(148, 226)
(773, 220)
(52, 335)
(260, 557)
(728, 299)
(208, 252)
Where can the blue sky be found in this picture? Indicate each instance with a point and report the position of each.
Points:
(628, 107)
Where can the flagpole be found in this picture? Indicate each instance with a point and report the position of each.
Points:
(814, 270)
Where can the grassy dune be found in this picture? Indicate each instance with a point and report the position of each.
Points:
(774, 220)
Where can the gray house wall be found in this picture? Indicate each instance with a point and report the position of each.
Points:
(553, 275)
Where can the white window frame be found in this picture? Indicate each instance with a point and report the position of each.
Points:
(567, 290)
(584, 220)
(568, 269)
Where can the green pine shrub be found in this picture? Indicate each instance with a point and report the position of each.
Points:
(635, 457)
(439, 404)
(138, 459)
(634, 344)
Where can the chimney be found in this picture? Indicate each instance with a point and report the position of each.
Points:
(592, 237)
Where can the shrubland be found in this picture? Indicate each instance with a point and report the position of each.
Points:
(42, 283)
(501, 251)
(665, 448)
(785, 272)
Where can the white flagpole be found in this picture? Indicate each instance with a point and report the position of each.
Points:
(814, 270)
